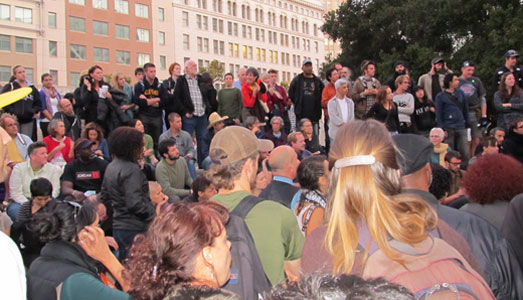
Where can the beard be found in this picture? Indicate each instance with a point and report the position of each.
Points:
(173, 157)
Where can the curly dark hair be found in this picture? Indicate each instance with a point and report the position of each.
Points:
(493, 177)
(321, 286)
(170, 246)
(61, 222)
(440, 181)
(126, 143)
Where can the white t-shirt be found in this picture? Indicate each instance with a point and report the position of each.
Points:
(12, 278)
(344, 109)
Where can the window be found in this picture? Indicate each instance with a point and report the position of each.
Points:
(222, 48)
(74, 78)
(316, 47)
(161, 37)
(79, 2)
(123, 57)
(235, 29)
(199, 21)
(220, 26)
(185, 19)
(215, 47)
(161, 14)
(5, 13)
(30, 74)
(244, 52)
(262, 35)
(217, 5)
(100, 28)
(101, 54)
(199, 44)
(162, 62)
(229, 28)
(186, 44)
(121, 6)
(141, 10)
(5, 43)
(51, 20)
(122, 32)
(76, 24)
(77, 51)
(5, 73)
(24, 15)
(54, 74)
(142, 35)
(206, 45)
(23, 45)
(205, 23)
(214, 25)
(143, 58)
(52, 48)
(244, 31)
(263, 54)
(100, 4)
(249, 32)
(231, 49)
(249, 52)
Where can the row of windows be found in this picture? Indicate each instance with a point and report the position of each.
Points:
(202, 44)
(5, 73)
(202, 22)
(22, 45)
(102, 55)
(122, 6)
(217, 6)
(121, 31)
(21, 14)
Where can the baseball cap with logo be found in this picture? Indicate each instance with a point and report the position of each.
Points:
(511, 53)
(233, 144)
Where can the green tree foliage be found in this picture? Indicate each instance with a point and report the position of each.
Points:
(416, 31)
(215, 69)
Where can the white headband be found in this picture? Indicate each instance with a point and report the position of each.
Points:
(354, 161)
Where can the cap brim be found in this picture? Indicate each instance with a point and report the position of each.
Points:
(217, 121)
(265, 145)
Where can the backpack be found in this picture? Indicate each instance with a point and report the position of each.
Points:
(439, 273)
(248, 279)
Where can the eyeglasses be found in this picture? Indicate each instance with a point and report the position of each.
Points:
(455, 163)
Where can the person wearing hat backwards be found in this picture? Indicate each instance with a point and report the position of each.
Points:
(432, 82)
(234, 152)
(493, 254)
(83, 176)
(216, 123)
(511, 61)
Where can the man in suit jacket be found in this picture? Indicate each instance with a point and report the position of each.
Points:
(284, 163)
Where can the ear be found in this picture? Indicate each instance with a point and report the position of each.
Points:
(207, 256)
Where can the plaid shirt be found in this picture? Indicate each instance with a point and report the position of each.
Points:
(196, 96)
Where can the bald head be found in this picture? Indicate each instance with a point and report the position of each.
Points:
(284, 161)
(65, 105)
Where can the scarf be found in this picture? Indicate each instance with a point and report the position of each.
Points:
(441, 149)
(50, 93)
(314, 197)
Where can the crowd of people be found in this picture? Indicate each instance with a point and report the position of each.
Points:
(325, 190)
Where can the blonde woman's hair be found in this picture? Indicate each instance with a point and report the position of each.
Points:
(114, 81)
(365, 193)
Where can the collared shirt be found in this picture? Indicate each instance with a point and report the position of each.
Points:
(22, 175)
(196, 96)
(296, 197)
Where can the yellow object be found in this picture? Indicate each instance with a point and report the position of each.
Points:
(13, 96)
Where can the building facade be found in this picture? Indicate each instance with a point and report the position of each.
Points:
(65, 38)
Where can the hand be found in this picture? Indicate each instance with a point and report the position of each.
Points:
(159, 205)
(156, 104)
(432, 71)
(99, 152)
(188, 115)
(87, 83)
(142, 96)
(256, 89)
(111, 242)
(61, 145)
(432, 109)
(507, 104)
(147, 152)
(92, 240)
(188, 157)
(78, 195)
(108, 95)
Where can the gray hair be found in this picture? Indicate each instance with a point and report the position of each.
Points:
(277, 118)
(51, 128)
(340, 82)
(439, 130)
(188, 62)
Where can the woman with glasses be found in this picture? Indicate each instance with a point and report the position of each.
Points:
(71, 263)
(185, 254)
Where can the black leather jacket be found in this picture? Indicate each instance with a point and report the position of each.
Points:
(493, 252)
(125, 193)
